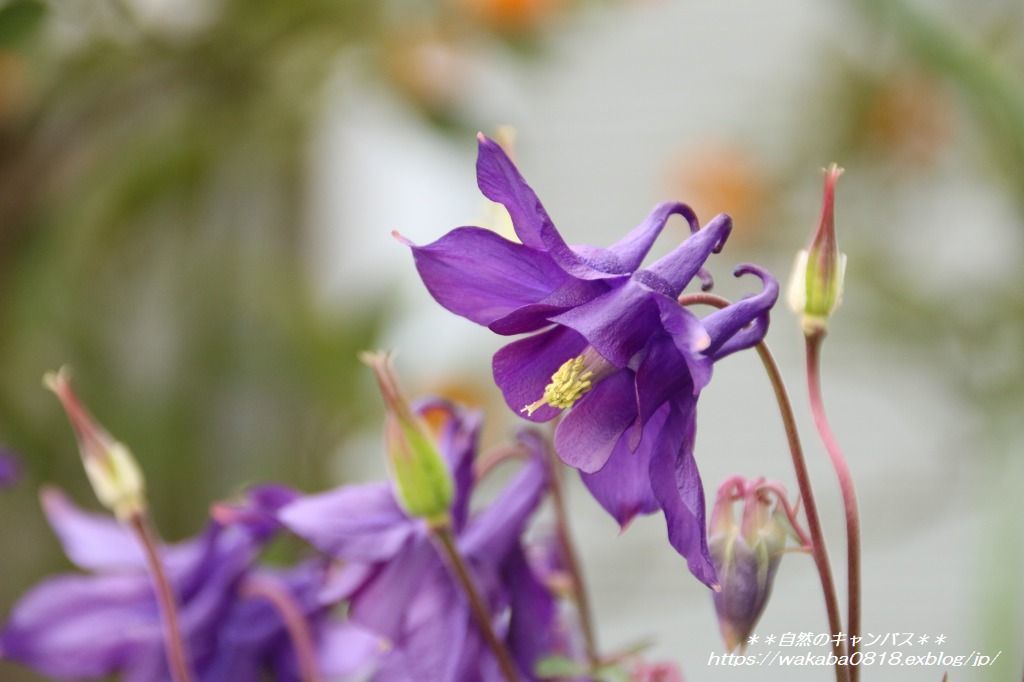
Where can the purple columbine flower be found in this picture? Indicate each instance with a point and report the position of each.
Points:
(398, 587)
(79, 626)
(613, 347)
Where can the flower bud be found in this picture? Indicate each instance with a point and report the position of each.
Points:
(746, 555)
(816, 287)
(112, 470)
(423, 485)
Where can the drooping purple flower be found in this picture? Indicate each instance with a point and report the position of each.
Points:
(397, 585)
(83, 626)
(612, 348)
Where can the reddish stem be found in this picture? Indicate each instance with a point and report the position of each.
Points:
(294, 622)
(572, 561)
(177, 655)
(813, 344)
(481, 613)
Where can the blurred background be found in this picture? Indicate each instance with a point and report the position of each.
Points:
(196, 198)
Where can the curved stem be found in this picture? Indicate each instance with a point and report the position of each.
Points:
(572, 561)
(818, 550)
(294, 622)
(481, 613)
(177, 656)
(813, 344)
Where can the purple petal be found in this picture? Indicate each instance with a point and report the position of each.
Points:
(617, 324)
(677, 486)
(382, 604)
(500, 181)
(523, 368)
(626, 255)
(347, 650)
(723, 324)
(257, 511)
(95, 542)
(690, 339)
(623, 485)
(481, 276)
(495, 531)
(74, 627)
(674, 271)
(662, 374)
(749, 336)
(531, 629)
(357, 522)
(588, 434)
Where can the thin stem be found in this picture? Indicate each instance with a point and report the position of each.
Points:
(813, 344)
(177, 656)
(818, 549)
(481, 613)
(579, 588)
(294, 622)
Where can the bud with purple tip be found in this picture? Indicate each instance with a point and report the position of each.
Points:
(746, 554)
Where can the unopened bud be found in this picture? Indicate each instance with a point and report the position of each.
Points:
(816, 287)
(112, 470)
(746, 555)
(423, 485)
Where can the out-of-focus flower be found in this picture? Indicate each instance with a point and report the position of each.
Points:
(426, 66)
(907, 117)
(513, 16)
(724, 177)
(10, 468)
(746, 554)
(112, 470)
(816, 286)
(397, 585)
(87, 626)
(613, 347)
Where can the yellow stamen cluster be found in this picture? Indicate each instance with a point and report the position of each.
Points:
(567, 386)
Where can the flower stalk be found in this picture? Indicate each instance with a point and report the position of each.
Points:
(294, 621)
(177, 655)
(819, 552)
(846, 486)
(482, 615)
(572, 562)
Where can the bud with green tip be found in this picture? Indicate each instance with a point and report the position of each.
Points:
(816, 287)
(746, 555)
(423, 485)
(112, 470)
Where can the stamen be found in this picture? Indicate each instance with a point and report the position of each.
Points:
(568, 384)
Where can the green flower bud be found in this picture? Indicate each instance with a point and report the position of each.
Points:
(816, 286)
(746, 555)
(112, 470)
(423, 485)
